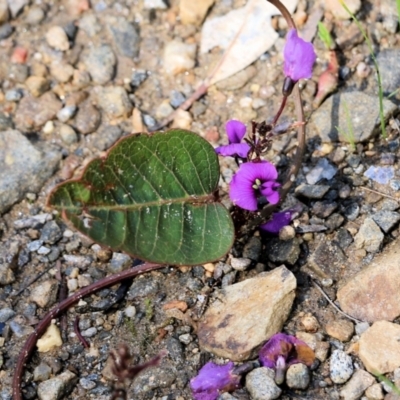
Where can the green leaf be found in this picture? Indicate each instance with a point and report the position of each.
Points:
(324, 35)
(153, 198)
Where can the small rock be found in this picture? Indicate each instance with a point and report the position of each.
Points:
(182, 120)
(50, 339)
(37, 85)
(18, 71)
(352, 211)
(240, 264)
(186, 338)
(374, 392)
(4, 13)
(369, 237)
(252, 249)
(178, 57)
(164, 109)
(90, 25)
(339, 11)
(130, 311)
(5, 122)
(119, 262)
(35, 15)
(310, 323)
(62, 72)
(56, 388)
(89, 332)
(176, 98)
(66, 113)
(267, 298)
(142, 288)
(298, 376)
(283, 251)
(45, 294)
(194, 12)
(67, 134)
(386, 219)
(106, 136)
(340, 367)
(100, 62)
(323, 170)
(87, 384)
(114, 101)
(312, 191)
(356, 386)
(379, 347)
(365, 116)
(155, 4)
(14, 95)
(33, 112)
(124, 36)
(57, 38)
(23, 167)
(84, 280)
(341, 329)
(261, 385)
(154, 378)
(19, 330)
(87, 119)
(16, 6)
(6, 314)
(382, 175)
(138, 77)
(51, 233)
(390, 76)
(42, 372)
(323, 209)
(5, 31)
(287, 233)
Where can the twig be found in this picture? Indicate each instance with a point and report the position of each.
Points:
(29, 345)
(79, 335)
(333, 304)
(62, 295)
(380, 193)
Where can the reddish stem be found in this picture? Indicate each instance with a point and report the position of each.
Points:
(278, 114)
(79, 335)
(29, 345)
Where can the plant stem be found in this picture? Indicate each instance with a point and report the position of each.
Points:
(41, 327)
(278, 114)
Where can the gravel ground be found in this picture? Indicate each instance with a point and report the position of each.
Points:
(76, 77)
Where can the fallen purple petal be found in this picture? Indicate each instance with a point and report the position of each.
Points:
(213, 379)
(251, 181)
(277, 222)
(235, 149)
(299, 57)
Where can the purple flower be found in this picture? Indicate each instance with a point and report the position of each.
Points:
(253, 180)
(235, 131)
(299, 57)
(213, 379)
(283, 350)
(277, 222)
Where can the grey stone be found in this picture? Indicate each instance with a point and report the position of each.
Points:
(36, 221)
(119, 262)
(124, 36)
(142, 287)
(176, 98)
(6, 314)
(153, 378)
(23, 167)
(51, 232)
(175, 349)
(352, 211)
(35, 15)
(340, 366)
(56, 388)
(44, 294)
(298, 376)
(390, 76)
(87, 384)
(18, 72)
(240, 264)
(106, 136)
(323, 170)
(33, 112)
(5, 31)
(42, 372)
(252, 249)
(89, 332)
(280, 251)
(228, 279)
(355, 387)
(66, 113)
(87, 118)
(261, 385)
(20, 330)
(90, 25)
(16, 6)
(386, 219)
(114, 101)
(324, 208)
(14, 95)
(369, 237)
(312, 191)
(138, 77)
(5, 122)
(34, 245)
(364, 114)
(67, 134)
(100, 62)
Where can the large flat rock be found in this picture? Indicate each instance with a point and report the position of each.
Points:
(246, 314)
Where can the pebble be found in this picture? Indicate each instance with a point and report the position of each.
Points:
(374, 392)
(154, 378)
(6, 314)
(19, 71)
(142, 288)
(42, 372)
(35, 15)
(16, 6)
(240, 264)
(379, 347)
(252, 249)
(164, 109)
(61, 71)
(341, 329)
(312, 191)
(267, 298)
(352, 211)
(87, 119)
(138, 77)
(364, 116)
(106, 136)
(155, 4)
(5, 31)
(194, 12)
(84, 280)
(87, 384)
(50, 339)
(130, 311)
(37, 85)
(34, 245)
(4, 13)
(51, 232)
(356, 386)
(323, 170)
(186, 338)
(176, 98)
(56, 388)
(279, 251)
(72, 285)
(310, 323)
(298, 376)
(45, 293)
(89, 332)
(19, 330)
(26, 169)
(90, 25)
(100, 62)
(119, 262)
(183, 119)
(323, 209)
(66, 113)
(369, 237)
(338, 11)
(43, 250)
(14, 95)
(178, 57)
(124, 36)
(114, 101)
(340, 366)
(57, 38)
(36, 221)
(379, 174)
(261, 385)
(48, 128)
(67, 134)
(386, 219)
(390, 77)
